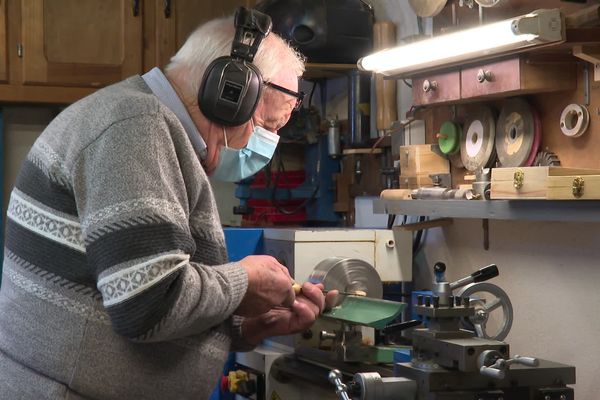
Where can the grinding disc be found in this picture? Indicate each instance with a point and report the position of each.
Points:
(449, 138)
(427, 8)
(515, 133)
(477, 142)
(348, 275)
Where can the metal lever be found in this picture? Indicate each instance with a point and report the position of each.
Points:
(335, 377)
(481, 275)
(493, 365)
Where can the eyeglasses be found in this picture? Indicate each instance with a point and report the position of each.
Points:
(298, 95)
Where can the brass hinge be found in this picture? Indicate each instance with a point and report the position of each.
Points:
(20, 49)
(578, 187)
(518, 178)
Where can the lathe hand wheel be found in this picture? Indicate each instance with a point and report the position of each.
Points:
(488, 299)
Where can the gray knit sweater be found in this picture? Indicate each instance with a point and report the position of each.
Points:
(115, 280)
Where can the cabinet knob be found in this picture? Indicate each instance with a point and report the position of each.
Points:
(429, 86)
(135, 7)
(484, 75)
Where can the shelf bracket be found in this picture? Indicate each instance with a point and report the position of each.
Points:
(486, 233)
(590, 54)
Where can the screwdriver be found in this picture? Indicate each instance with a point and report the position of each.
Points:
(298, 288)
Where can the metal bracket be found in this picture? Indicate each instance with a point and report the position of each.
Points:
(590, 54)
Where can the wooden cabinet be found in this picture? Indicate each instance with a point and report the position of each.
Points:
(518, 75)
(80, 43)
(175, 20)
(59, 51)
(3, 45)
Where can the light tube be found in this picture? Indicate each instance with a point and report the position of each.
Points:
(541, 26)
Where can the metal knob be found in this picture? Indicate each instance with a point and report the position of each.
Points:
(335, 377)
(483, 75)
(429, 86)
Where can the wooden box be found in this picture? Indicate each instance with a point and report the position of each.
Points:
(419, 159)
(415, 181)
(545, 183)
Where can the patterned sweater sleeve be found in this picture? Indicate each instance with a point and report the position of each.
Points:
(134, 200)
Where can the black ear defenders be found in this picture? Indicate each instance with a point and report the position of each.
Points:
(231, 86)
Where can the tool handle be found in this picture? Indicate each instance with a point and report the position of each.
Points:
(485, 273)
(492, 372)
(529, 361)
(297, 288)
(384, 36)
(401, 326)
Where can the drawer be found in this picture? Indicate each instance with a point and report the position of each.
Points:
(438, 88)
(517, 75)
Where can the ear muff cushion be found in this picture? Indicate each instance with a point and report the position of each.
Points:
(230, 91)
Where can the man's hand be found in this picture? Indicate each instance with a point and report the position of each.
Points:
(309, 304)
(269, 285)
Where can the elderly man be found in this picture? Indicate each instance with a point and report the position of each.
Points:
(116, 282)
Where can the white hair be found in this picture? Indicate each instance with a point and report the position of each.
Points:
(214, 38)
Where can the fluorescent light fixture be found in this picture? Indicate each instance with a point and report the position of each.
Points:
(537, 27)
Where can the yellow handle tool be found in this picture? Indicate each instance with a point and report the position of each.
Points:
(298, 288)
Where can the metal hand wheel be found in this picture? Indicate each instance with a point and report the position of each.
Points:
(488, 300)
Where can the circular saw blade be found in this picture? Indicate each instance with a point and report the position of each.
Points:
(477, 142)
(427, 8)
(515, 133)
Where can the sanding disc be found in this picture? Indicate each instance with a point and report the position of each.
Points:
(427, 8)
(515, 133)
(348, 275)
(477, 142)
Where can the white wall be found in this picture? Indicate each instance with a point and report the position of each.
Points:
(550, 272)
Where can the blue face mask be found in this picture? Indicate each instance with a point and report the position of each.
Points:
(237, 164)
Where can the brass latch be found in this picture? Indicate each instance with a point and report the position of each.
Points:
(578, 186)
(518, 178)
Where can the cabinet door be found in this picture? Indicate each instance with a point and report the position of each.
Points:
(3, 47)
(176, 19)
(80, 42)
